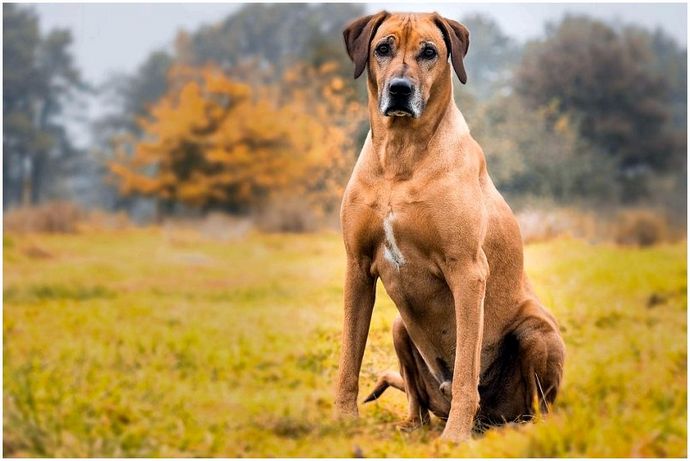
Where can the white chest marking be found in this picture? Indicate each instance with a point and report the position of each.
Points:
(391, 251)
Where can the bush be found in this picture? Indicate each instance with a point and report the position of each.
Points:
(632, 226)
(52, 217)
(640, 227)
(538, 225)
(289, 216)
(61, 217)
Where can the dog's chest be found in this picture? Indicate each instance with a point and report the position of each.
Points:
(392, 253)
(407, 262)
(402, 227)
(409, 236)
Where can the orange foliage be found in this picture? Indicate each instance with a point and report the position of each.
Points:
(215, 142)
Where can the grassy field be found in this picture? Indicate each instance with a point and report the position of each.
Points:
(166, 343)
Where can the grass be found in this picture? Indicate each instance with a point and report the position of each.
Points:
(157, 343)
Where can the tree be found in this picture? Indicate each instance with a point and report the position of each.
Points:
(539, 153)
(39, 75)
(132, 95)
(603, 78)
(491, 57)
(276, 34)
(215, 143)
(255, 45)
(264, 38)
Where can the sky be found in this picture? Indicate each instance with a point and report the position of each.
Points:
(116, 38)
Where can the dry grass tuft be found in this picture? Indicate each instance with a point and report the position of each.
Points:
(51, 217)
(61, 217)
(98, 220)
(640, 228)
(633, 226)
(540, 225)
(36, 252)
(290, 216)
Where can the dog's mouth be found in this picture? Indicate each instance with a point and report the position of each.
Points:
(398, 112)
(409, 106)
(398, 107)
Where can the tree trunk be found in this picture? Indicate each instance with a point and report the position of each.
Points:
(26, 181)
(11, 185)
(37, 179)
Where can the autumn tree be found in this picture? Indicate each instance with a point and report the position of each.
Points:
(214, 143)
(266, 38)
(255, 45)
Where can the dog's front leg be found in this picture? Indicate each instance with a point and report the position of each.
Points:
(360, 294)
(468, 283)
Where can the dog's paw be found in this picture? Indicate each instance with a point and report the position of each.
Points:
(345, 412)
(455, 437)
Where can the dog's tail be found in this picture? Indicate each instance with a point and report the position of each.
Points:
(387, 379)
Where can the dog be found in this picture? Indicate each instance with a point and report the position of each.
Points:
(421, 213)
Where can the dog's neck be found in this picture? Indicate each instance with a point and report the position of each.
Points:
(400, 143)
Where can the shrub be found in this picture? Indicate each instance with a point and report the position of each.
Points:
(52, 217)
(632, 226)
(289, 216)
(62, 217)
(542, 224)
(640, 227)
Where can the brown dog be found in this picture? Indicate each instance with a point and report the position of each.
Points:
(421, 213)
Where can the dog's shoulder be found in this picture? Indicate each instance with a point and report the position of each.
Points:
(461, 156)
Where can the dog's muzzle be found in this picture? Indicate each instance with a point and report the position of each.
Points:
(401, 99)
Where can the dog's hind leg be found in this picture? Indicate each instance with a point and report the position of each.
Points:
(542, 357)
(525, 375)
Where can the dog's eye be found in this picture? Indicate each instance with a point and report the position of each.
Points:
(428, 53)
(383, 49)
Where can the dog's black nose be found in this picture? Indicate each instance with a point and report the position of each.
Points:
(400, 87)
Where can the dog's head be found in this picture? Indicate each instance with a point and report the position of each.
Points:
(406, 55)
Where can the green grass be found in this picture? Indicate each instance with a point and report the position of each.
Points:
(158, 343)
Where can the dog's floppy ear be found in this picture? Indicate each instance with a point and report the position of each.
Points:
(457, 39)
(358, 35)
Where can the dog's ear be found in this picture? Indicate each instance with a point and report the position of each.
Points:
(358, 35)
(457, 39)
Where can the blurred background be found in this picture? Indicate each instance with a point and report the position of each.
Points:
(172, 266)
(162, 111)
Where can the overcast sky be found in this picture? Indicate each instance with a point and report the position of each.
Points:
(118, 37)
